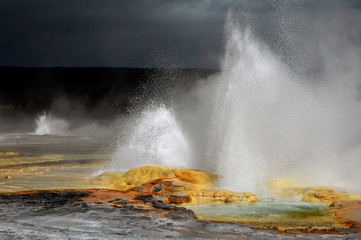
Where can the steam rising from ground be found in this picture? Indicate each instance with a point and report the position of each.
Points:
(259, 119)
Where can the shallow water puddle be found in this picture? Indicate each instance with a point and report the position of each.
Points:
(281, 215)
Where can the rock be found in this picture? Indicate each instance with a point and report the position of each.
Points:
(162, 205)
(139, 189)
(185, 215)
(156, 188)
(158, 203)
(179, 199)
(145, 198)
(179, 192)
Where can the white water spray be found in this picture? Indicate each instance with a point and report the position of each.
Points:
(155, 137)
(265, 122)
(46, 124)
(268, 122)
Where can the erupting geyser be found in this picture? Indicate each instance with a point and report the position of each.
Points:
(154, 137)
(259, 120)
(46, 124)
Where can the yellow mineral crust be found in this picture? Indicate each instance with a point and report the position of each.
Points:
(8, 154)
(326, 195)
(193, 176)
(221, 196)
(13, 158)
(188, 179)
(281, 184)
(283, 187)
(179, 184)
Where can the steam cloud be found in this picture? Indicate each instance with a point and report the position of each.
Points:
(271, 112)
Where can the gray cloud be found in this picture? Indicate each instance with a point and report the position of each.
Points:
(135, 33)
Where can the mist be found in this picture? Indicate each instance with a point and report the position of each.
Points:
(285, 102)
(288, 108)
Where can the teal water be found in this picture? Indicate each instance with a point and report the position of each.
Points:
(266, 213)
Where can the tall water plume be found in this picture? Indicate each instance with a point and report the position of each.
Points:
(269, 122)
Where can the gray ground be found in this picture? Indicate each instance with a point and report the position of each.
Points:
(50, 215)
(57, 215)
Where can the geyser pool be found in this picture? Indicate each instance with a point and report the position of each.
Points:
(256, 120)
(282, 215)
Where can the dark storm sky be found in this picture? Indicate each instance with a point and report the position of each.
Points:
(133, 33)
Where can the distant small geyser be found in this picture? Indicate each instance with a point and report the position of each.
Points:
(47, 124)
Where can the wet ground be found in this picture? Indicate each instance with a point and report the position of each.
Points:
(65, 215)
(29, 162)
